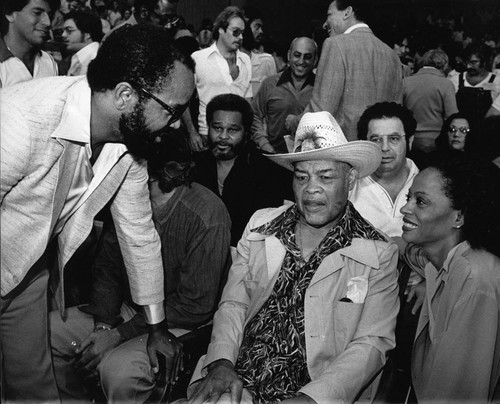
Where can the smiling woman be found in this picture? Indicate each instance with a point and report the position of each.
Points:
(452, 213)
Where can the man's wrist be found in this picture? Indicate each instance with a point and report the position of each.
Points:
(220, 362)
(154, 313)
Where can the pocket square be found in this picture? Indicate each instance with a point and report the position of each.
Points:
(357, 289)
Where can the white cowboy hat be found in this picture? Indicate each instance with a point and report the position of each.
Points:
(319, 137)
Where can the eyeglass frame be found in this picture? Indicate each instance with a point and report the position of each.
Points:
(238, 30)
(464, 130)
(175, 113)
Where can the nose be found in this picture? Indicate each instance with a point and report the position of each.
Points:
(45, 19)
(405, 208)
(385, 143)
(325, 26)
(312, 186)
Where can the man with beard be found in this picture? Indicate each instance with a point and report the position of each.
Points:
(233, 168)
(194, 228)
(221, 68)
(476, 88)
(70, 145)
(25, 29)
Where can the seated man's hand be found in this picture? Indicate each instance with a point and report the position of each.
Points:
(221, 378)
(291, 123)
(197, 141)
(93, 348)
(162, 342)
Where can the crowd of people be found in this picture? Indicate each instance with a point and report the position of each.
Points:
(189, 216)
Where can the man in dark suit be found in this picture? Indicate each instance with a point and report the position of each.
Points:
(355, 70)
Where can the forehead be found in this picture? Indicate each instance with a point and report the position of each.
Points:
(303, 45)
(180, 86)
(429, 181)
(320, 165)
(333, 7)
(228, 117)
(236, 22)
(37, 4)
(459, 122)
(70, 23)
(386, 126)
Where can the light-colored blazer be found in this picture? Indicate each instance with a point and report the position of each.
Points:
(36, 173)
(355, 70)
(346, 343)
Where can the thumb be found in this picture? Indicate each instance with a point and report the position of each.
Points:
(153, 360)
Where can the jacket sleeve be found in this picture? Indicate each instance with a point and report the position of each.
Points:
(330, 79)
(259, 131)
(349, 373)
(230, 317)
(138, 238)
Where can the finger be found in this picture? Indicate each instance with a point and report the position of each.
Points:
(87, 341)
(236, 392)
(153, 359)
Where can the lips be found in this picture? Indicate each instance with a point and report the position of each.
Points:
(408, 225)
(312, 205)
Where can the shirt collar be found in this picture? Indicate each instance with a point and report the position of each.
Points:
(286, 77)
(457, 250)
(75, 122)
(89, 49)
(356, 26)
(214, 49)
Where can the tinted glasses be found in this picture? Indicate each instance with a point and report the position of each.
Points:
(175, 113)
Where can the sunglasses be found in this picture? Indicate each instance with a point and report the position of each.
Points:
(175, 113)
(236, 32)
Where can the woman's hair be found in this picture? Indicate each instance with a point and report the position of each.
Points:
(471, 184)
(442, 140)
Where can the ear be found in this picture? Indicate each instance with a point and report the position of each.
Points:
(352, 177)
(86, 37)
(348, 12)
(459, 220)
(124, 96)
(11, 17)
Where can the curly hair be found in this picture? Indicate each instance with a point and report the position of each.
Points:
(142, 54)
(471, 185)
(384, 110)
(231, 102)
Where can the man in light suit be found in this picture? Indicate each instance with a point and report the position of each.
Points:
(70, 145)
(309, 309)
(355, 70)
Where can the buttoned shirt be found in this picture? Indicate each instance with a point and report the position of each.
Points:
(212, 77)
(81, 59)
(376, 205)
(13, 70)
(276, 99)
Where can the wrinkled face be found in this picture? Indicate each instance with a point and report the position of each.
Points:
(226, 134)
(302, 57)
(232, 37)
(257, 30)
(457, 133)
(71, 33)
(321, 189)
(140, 126)
(428, 216)
(474, 66)
(32, 23)
(389, 134)
(334, 23)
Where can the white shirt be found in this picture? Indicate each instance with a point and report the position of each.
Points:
(263, 66)
(86, 178)
(374, 203)
(356, 26)
(13, 70)
(81, 59)
(494, 87)
(212, 78)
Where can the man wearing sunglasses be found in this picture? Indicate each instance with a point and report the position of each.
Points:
(221, 68)
(70, 147)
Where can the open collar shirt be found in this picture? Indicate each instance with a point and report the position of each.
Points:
(13, 70)
(212, 78)
(81, 59)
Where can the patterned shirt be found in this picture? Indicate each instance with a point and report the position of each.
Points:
(272, 360)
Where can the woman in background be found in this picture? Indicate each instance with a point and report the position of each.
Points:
(453, 214)
(454, 134)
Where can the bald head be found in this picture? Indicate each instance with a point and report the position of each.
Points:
(302, 55)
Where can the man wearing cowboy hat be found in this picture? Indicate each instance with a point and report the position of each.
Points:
(309, 308)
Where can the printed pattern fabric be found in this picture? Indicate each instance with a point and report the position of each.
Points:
(272, 359)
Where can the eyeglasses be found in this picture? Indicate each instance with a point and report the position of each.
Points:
(175, 113)
(462, 129)
(236, 32)
(393, 139)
